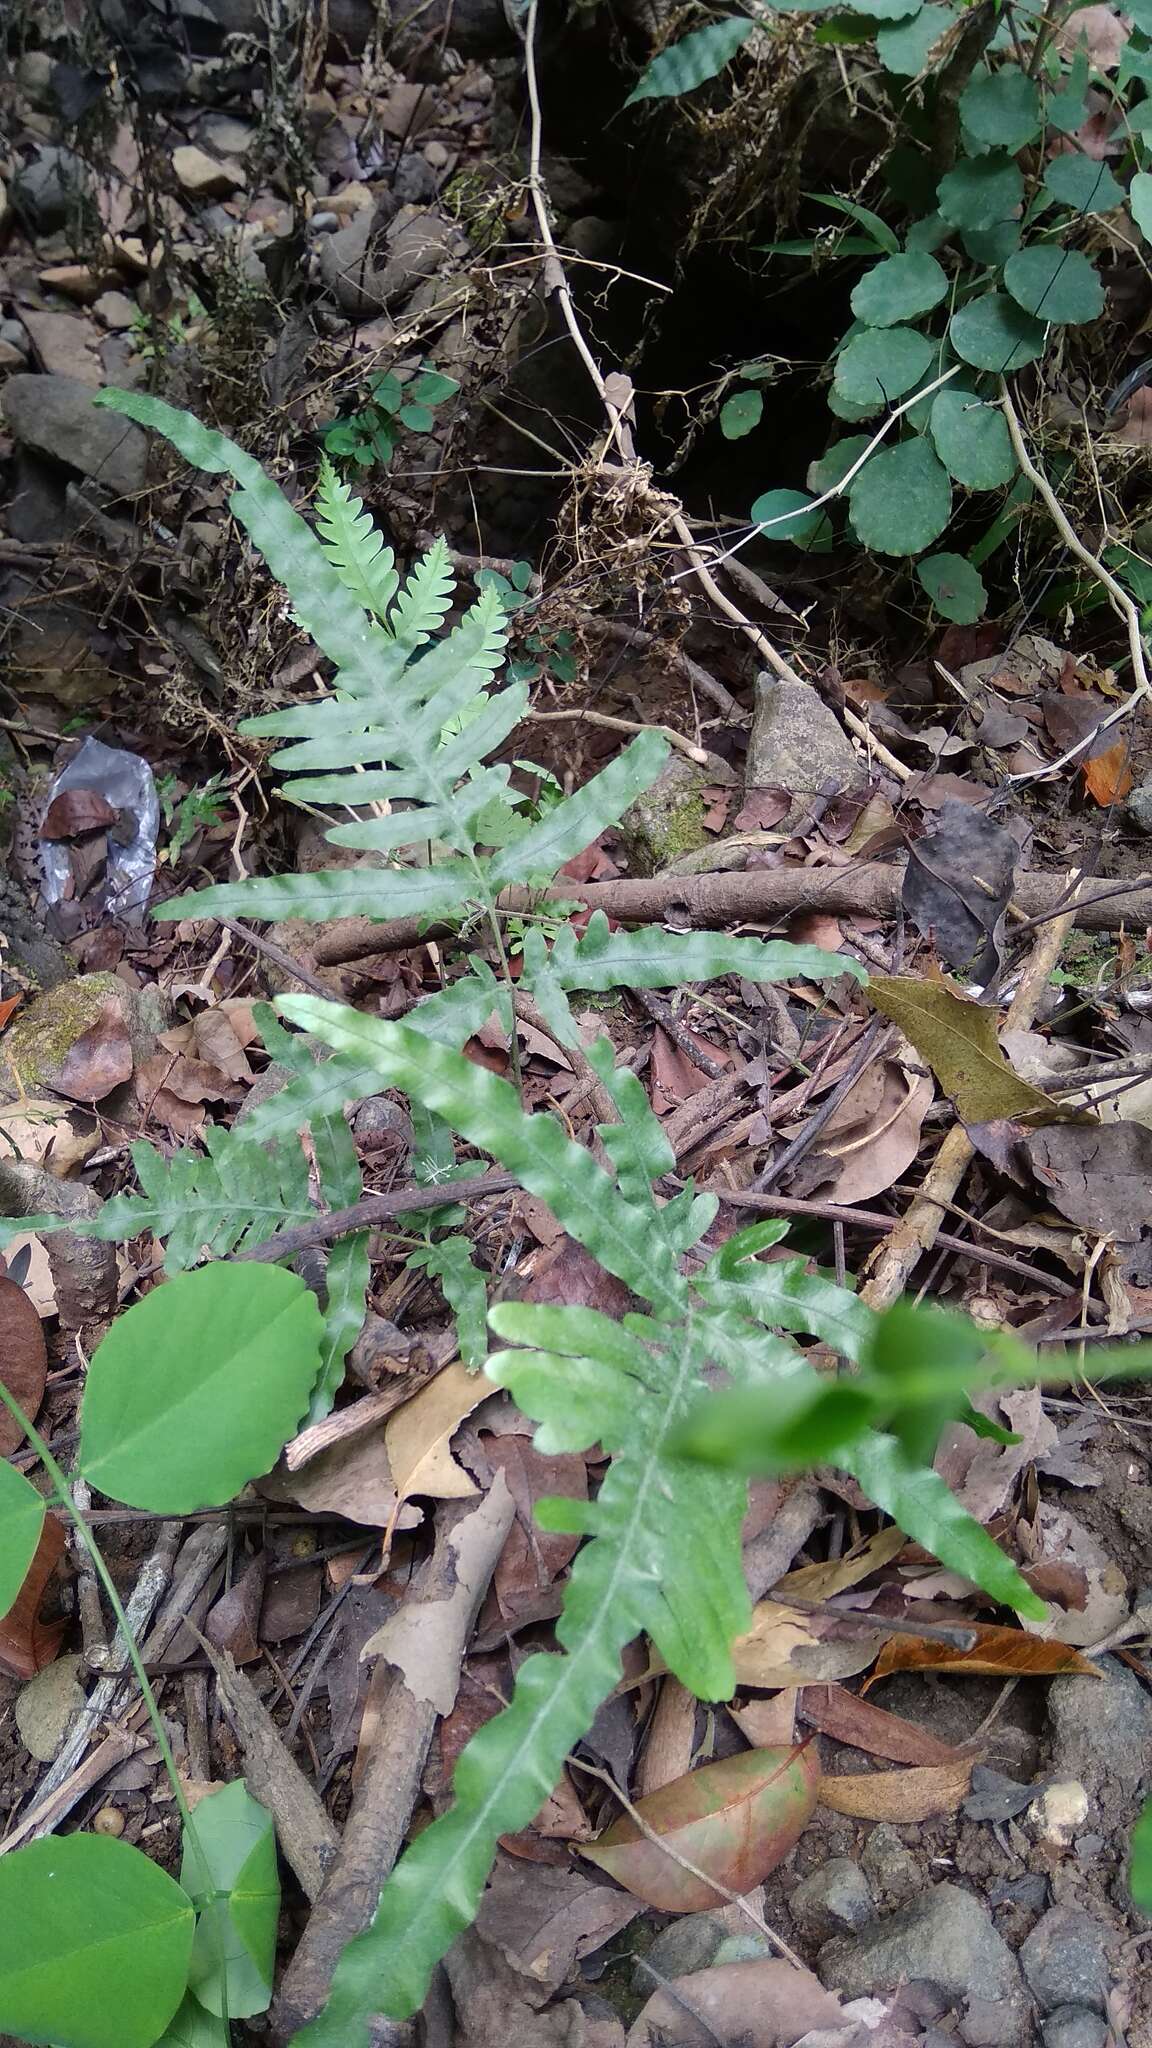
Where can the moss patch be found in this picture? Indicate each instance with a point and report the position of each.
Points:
(39, 1041)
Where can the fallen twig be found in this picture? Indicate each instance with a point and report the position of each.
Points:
(425, 1641)
(697, 755)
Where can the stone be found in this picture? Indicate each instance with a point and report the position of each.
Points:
(116, 310)
(34, 77)
(405, 110)
(65, 345)
(1138, 805)
(10, 358)
(945, 1938)
(47, 1704)
(667, 820)
(889, 1866)
(53, 188)
(799, 745)
(1071, 2026)
(15, 334)
(417, 245)
(360, 283)
(1060, 1810)
(698, 1941)
(835, 1897)
(1100, 1731)
(36, 505)
(415, 182)
(55, 416)
(437, 156)
(72, 280)
(347, 270)
(203, 176)
(227, 136)
(1065, 1960)
(50, 651)
(38, 1042)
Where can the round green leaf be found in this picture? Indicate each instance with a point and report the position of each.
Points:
(971, 438)
(195, 2028)
(21, 1520)
(982, 192)
(843, 407)
(882, 364)
(905, 48)
(993, 333)
(825, 473)
(740, 413)
(94, 1943)
(991, 246)
(955, 587)
(1083, 184)
(1140, 201)
(1055, 284)
(198, 1387)
(784, 516)
(1001, 109)
(899, 288)
(230, 1872)
(901, 500)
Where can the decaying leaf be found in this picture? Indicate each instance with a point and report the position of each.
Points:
(917, 1794)
(99, 1060)
(1099, 1176)
(418, 1436)
(982, 1473)
(1087, 1592)
(26, 1642)
(737, 1820)
(1108, 776)
(353, 1478)
(835, 1575)
(546, 1921)
(855, 1721)
(23, 1361)
(768, 1723)
(533, 1557)
(871, 1140)
(956, 888)
(996, 1653)
(784, 1647)
(765, 2004)
(958, 1039)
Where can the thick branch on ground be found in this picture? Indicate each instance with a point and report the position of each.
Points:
(424, 1643)
(760, 896)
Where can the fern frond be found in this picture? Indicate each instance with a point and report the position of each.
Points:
(354, 546)
(240, 1193)
(422, 606)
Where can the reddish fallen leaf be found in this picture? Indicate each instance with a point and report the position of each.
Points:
(736, 1820)
(234, 1622)
(27, 1644)
(8, 1009)
(841, 1714)
(567, 1276)
(532, 1557)
(996, 1653)
(900, 1795)
(762, 809)
(23, 1361)
(100, 1060)
(75, 811)
(1108, 776)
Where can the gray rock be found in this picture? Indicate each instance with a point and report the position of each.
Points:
(1138, 805)
(835, 1897)
(15, 334)
(52, 188)
(1101, 1733)
(798, 744)
(417, 245)
(891, 1868)
(1065, 1961)
(945, 1937)
(360, 283)
(34, 77)
(36, 507)
(667, 820)
(56, 416)
(1072, 2027)
(695, 1941)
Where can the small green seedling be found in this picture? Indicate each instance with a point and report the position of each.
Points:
(185, 815)
(369, 436)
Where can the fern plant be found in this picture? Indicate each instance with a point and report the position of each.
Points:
(664, 1551)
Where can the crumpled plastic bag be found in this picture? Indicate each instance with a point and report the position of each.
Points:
(126, 782)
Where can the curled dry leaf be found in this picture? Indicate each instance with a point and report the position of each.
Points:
(1098, 1175)
(841, 1714)
(99, 1060)
(23, 1361)
(417, 1437)
(784, 1647)
(27, 1644)
(546, 1921)
(833, 1575)
(765, 2004)
(736, 1820)
(996, 1653)
(956, 888)
(917, 1794)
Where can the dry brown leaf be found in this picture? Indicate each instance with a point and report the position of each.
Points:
(996, 1653)
(532, 1558)
(26, 1642)
(99, 1060)
(784, 1648)
(918, 1794)
(1093, 1598)
(765, 2004)
(981, 1473)
(736, 1820)
(547, 1921)
(1108, 777)
(418, 1436)
(768, 1724)
(849, 1719)
(352, 1479)
(39, 1132)
(839, 1574)
(876, 1151)
(23, 1361)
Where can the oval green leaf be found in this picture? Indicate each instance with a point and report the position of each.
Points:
(1083, 184)
(994, 333)
(1055, 284)
(195, 2028)
(882, 364)
(1001, 109)
(21, 1520)
(828, 469)
(737, 1820)
(692, 61)
(971, 438)
(1140, 201)
(740, 413)
(899, 288)
(784, 515)
(1141, 1871)
(905, 47)
(981, 192)
(198, 1387)
(901, 500)
(94, 1944)
(955, 587)
(229, 1870)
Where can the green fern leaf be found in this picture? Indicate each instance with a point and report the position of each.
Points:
(422, 606)
(353, 545)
